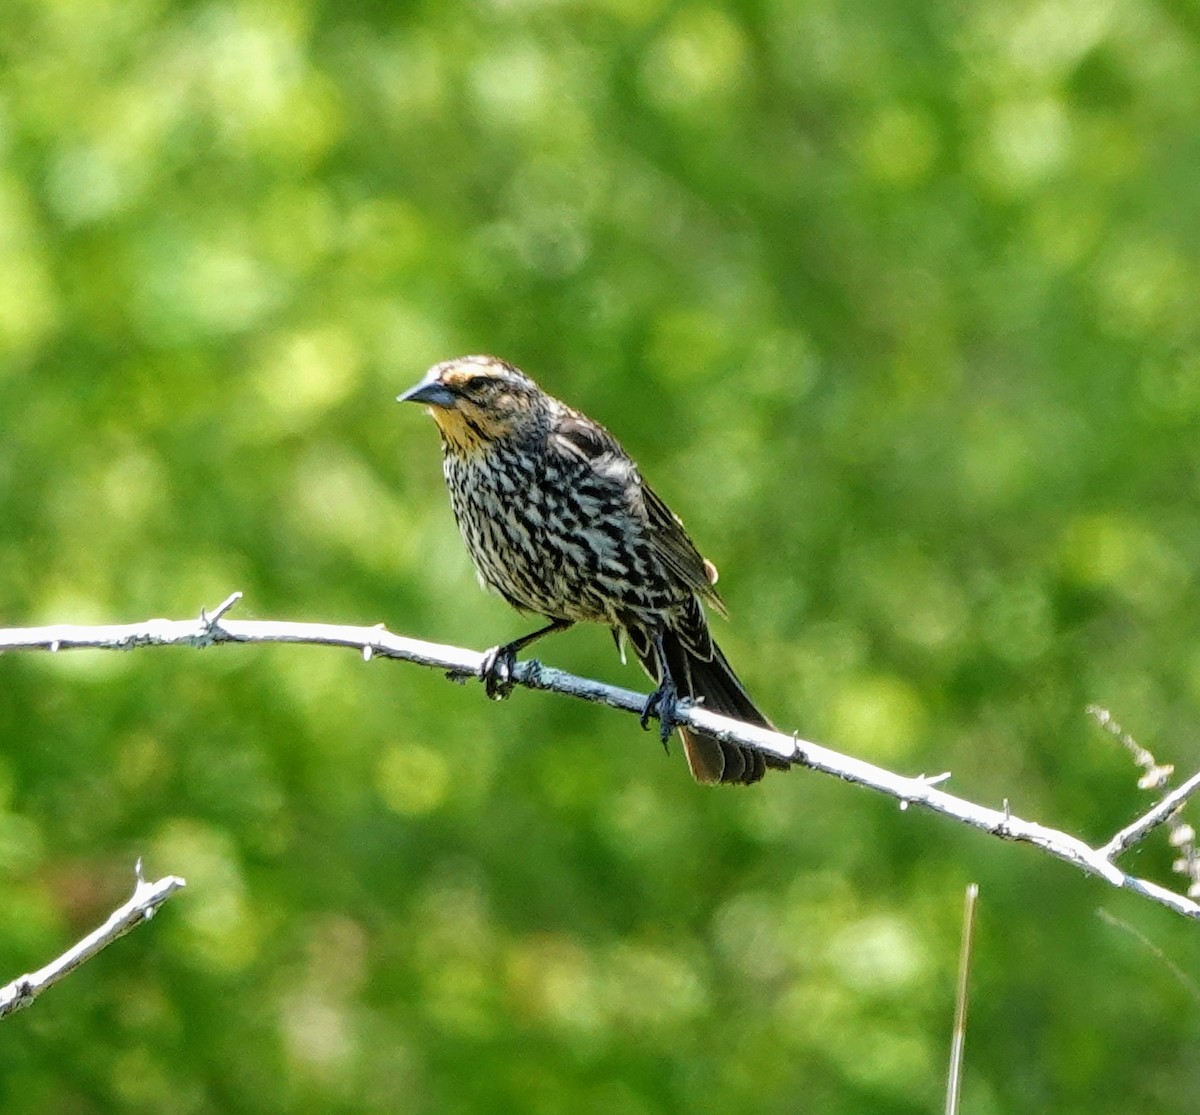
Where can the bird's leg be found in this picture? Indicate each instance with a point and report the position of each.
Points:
(498, 664)
(664, 701)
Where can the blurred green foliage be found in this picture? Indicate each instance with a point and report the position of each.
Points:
(895, 303)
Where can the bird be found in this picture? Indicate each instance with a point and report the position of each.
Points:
(559, 522)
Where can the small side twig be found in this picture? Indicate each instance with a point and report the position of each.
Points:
(220, 609)
(142, 906)
(927, 780)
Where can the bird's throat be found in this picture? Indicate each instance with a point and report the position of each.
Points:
(464, 433)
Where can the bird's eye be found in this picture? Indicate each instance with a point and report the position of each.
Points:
(476, 385)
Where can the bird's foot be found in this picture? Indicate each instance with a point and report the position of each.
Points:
(663, 703)
(496, 671)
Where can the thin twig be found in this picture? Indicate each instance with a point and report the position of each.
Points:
(1155, 775)
(460, 664)
(959, 1039)
(142, 906)
(1185, 981)
(1150, 820)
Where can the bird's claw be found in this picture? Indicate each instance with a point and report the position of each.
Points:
(662, 703)
(496, 671)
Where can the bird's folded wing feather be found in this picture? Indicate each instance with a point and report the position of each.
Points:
(589, 441)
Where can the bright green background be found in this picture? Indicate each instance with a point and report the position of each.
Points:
(896, 303)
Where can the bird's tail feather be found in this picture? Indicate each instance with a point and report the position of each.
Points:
(712, 679)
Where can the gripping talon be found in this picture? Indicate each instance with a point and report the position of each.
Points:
(496, 671)
(662, 703)
(498, 665)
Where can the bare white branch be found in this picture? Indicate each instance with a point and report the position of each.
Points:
(142, 906)
(460, 664)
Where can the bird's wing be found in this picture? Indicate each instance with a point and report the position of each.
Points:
(677, 551)
(589, 441)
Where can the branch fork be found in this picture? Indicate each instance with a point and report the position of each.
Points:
(142, 906)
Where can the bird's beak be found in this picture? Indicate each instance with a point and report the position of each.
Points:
(430, 392)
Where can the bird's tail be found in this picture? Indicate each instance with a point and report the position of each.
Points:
(701, 671)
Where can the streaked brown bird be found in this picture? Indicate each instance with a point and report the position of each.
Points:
(559, 522)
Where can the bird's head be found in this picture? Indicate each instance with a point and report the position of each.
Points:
(477, 400)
